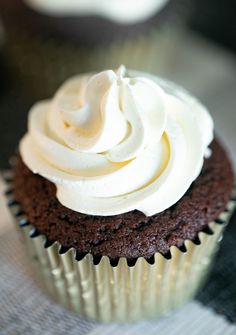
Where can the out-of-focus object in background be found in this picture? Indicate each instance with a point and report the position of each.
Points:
(89, 22)
(3, 70)
(2, 33)
(46, 46)
(120, 11)
(215, 19)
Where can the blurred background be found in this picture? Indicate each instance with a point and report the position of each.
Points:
(192, 42)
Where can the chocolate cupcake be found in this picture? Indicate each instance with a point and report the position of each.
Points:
(49, 41)
(124, 193)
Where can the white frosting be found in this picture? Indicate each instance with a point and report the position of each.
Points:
(112, 143)
(122, 11)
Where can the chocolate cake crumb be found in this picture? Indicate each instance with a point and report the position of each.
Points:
(131, 234)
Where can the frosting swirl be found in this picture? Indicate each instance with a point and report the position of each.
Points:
(121, 11)
(112, 143)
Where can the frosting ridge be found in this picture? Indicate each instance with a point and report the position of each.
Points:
(114, 142)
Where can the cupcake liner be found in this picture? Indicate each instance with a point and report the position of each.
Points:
(123, 292)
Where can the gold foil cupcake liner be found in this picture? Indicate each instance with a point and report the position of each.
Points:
(100, 291)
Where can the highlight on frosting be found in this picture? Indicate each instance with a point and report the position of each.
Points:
(117, 141)
(121, 11)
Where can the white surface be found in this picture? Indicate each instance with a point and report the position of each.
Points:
(192, 319)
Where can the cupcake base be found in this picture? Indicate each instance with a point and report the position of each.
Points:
(100, 291)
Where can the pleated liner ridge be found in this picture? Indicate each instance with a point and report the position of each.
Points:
(100, 290)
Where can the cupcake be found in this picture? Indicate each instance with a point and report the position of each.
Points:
(48, 41)
(122, 194)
